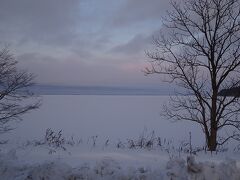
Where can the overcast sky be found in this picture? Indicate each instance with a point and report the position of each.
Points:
(83, 42)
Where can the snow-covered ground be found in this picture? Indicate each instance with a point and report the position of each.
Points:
(100, 140)
(87, 162)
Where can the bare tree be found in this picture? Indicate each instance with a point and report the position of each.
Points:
(15, 97)
(200, 53)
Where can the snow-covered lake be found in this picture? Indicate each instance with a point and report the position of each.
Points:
(108, 116)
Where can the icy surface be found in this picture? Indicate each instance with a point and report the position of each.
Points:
(113, 117)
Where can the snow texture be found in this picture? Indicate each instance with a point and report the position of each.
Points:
(11, 168)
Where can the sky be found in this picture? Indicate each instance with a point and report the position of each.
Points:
(83, 42)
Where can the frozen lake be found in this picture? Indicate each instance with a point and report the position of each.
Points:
(113, 117)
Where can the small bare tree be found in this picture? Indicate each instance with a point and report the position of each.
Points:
(200, 53)
(14, 92)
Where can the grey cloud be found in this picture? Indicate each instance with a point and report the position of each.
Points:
(51, 23)
(49, 69)
(72, 71)
(70, 42)
(38, 20)
(136, 45)
(135, 11)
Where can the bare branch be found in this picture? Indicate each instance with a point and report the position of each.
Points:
(200, 52)
(14, 89)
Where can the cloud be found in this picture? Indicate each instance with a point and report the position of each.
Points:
(72, 71)
(45, 20)
(136, 11)
(47, 26)
(81, 41)
(136, 45)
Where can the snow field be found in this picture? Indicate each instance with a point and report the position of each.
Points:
(35, 163)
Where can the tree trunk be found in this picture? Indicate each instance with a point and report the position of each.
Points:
(212, 140)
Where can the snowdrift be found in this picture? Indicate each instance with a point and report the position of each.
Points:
(12, 168)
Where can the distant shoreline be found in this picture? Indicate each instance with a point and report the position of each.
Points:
(99, 90)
